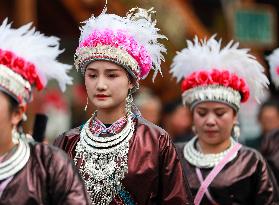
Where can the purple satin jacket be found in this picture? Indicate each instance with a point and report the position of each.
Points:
(48, 178)
(245, 180)
(154, 175)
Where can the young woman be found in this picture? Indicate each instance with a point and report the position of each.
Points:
(31, 173)
(218, 168)
(122, 158)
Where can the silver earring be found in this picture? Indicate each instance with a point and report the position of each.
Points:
(85, 108)
(24, 117)
(94, 114)
(236, 131)
(129, 102)
(194, 129)
(15, 135)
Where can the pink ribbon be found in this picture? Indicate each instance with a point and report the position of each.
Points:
(203, 188)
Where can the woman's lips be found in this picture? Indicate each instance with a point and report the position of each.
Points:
(211, 131)
(101, 96)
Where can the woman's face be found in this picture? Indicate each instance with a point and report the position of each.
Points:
(8, 118)
(5, 117)
(107, 85)
(213, 122)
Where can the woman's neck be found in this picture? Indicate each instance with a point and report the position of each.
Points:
(110, 116)
(206, 148)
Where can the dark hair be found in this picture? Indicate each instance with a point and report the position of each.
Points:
(13, 106)
(172, 106)
(13, 103)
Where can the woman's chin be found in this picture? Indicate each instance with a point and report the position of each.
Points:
(102, 104)
(212, 139)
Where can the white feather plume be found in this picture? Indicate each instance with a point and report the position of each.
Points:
(273, 61)
(38, 49)
(208, 54)
(141, 28)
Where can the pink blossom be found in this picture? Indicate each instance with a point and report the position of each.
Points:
(225, 78)
(215, 75)
(203, 78)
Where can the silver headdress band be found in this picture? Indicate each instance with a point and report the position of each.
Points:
(214, 93)
(14, 84)
(86, 55)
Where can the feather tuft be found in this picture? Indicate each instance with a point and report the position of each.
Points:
(38, 49)
(208, 54)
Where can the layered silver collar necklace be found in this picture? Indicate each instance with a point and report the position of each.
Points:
(198, 159)
(18, 160)
(103, 161)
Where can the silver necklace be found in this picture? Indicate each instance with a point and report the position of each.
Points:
(103, 162)
(198, 159)
(17, 161)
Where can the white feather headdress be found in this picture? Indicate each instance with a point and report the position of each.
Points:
(141, 32)
(28, 58)
(273, 61)
(36, 48)
(207, 55)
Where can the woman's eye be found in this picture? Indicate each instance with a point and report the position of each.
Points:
(202, 114)
(92, 75)
(112, 75)
(220, 114)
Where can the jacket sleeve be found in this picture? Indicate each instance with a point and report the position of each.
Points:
(67, 141)
(58, 142)
(270, 151)
(266, 185)
(174, 187)
(65, 184)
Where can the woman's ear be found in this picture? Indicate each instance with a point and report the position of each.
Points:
(17, 114)
(131, 85)
(235, 118)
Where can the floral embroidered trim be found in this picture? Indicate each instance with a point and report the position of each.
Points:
(97, 127)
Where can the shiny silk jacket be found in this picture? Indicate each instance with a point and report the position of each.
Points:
(48, 178)
(155, 175)
(270, 150)
(245, 180)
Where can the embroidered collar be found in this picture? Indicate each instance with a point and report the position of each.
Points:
(97, 127)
